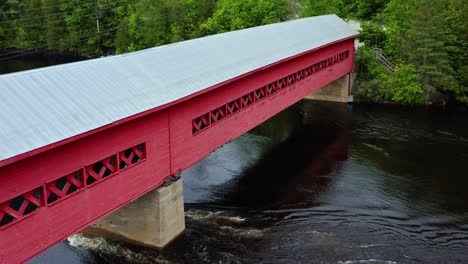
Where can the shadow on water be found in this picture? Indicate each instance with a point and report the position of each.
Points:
(291, 158)
(319, 183)
(299, 162)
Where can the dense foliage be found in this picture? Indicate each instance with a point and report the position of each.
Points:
(97, 27)
(359, 9)
(428, 39)
(430, 36)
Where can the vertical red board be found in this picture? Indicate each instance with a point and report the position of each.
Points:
(170, 147)
(187, 149)
(48, 225)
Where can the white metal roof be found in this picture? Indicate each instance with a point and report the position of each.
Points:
(44, 106)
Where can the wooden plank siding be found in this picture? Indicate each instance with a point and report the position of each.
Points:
(167, 141)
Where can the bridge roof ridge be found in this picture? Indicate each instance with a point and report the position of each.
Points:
(49, 105)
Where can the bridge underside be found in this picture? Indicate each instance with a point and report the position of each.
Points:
(52, 195)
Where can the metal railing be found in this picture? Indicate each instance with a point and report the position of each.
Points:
(380, 57)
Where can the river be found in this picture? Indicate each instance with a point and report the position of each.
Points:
(319, 183)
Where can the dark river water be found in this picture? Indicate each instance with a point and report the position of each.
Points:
(319, 183)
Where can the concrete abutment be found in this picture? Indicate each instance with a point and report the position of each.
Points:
(337, 91)
(154, 220)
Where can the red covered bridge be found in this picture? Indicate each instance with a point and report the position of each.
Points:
(81, 140)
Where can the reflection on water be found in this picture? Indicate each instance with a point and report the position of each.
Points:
(320, 183)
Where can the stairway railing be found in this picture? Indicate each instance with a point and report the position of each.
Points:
(380, 57)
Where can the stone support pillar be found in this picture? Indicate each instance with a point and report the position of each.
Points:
(337, 91)
(154, 220)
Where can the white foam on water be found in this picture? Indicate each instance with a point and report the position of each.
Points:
(114, 249)
(226, 223)
(367, 261)
(372, 245)
(214, 216)
(246, 233)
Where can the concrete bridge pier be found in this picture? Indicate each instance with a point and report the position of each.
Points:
(337, 91)
(154, 220)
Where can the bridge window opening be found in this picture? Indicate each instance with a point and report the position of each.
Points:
(64, 186)
(315, 67)
(282, 83)
(90, 180)
(132, 156)
(49, 193)
(247, 99)
(323, 64)
(260, 93)
(346, 54)
(100, 170)
(300, 75)
(291, 79)
(218, 114)
(214, 116)
(5, 219)
(20, 206)
(200, 123)
(271, 88)
(233, 107)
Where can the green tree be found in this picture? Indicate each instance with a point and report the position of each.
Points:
(82, 36)
(54, 24)
(427, 49)
(405, 87)
(322, 7)
(29, 27)
(239, 14)
(367, 9)
(372, 34)
(397, 19)
(456, 23)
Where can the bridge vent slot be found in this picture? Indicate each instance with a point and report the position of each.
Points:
(64, 186)
(233, 107)
(248, 99)
(218, 114)
(308, 71)
(300, 75)
(132, 156)
(200, 123)
(315, 67)
(20, 206)
(260, 93)
(271, 88)
(291, 79)
(100, 170)
(282, 83)
(323, 64)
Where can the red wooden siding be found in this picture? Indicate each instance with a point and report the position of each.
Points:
(81, 182)
(47, 197)
(212, 119)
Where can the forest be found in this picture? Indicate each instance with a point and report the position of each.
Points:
(427, 39)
